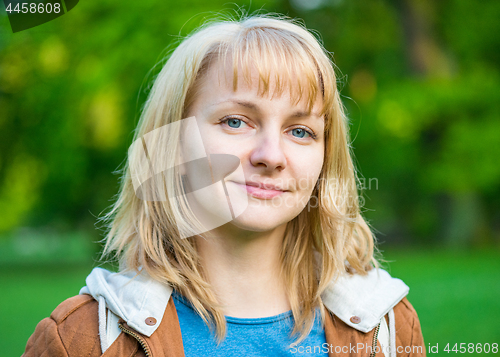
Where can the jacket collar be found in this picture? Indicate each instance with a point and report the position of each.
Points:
(137, 297)
(131, 296)
(362, 300)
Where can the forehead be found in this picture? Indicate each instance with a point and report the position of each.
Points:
(225, 80)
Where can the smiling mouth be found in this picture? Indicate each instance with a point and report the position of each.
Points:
(264, 193)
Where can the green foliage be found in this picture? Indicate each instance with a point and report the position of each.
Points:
(419, 78)
(70, 95)
(421, 83)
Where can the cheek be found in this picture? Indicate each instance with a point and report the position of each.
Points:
(307, 169)
(215, 141)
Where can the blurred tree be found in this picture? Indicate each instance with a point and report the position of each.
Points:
(422, 85)
(70, 96)
(420, 80)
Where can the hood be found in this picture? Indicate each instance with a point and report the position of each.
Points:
(369, 297)
(131, 296)
(135, 297)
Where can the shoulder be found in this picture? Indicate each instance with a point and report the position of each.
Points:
(405, 311)
(409, 333)
(71, 329)
(74, 306)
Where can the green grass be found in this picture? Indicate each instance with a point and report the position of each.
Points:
(29, 294)
(456, 294)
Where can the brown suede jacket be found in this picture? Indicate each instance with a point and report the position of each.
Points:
(73, 330)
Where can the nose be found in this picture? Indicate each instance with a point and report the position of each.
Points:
(269, 153)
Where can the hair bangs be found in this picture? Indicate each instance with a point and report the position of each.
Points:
(281, 61)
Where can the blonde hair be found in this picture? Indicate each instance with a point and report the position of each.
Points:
(322, 242)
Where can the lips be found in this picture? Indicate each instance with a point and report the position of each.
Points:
(265, 186)
(261, 190)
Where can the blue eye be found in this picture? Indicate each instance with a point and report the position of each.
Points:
(234, 123)
(300, 133)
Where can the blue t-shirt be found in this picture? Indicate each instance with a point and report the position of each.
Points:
(266, 336)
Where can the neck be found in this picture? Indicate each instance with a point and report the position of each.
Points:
(244, 271)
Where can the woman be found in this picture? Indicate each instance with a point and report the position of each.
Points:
(237, 226)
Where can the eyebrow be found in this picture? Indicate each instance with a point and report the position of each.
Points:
(254, 107)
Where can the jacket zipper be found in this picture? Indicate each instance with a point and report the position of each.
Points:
(143, 343)
(374, 342)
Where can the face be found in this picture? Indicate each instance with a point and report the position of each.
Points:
(280, 146)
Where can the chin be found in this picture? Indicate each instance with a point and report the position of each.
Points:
(262, 219)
